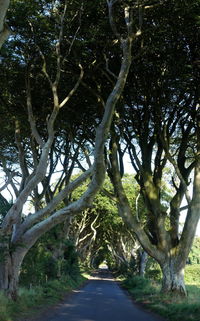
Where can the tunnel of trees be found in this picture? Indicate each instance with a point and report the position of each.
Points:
(84, 84)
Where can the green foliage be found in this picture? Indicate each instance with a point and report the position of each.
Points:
(4, 207)
(100, 257)
(164, 69)
(54, 288)
(172, 308)
(40, 265)
(192, 274)
(5, 308)
(38, 297)
(176, 311)
(153, 270)
(109, 225)
(70, 264)
(139, 287)
(136, 281)
(194, 256)
(154, 274)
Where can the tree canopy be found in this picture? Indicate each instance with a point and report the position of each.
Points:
(81, 85)
(45, 70)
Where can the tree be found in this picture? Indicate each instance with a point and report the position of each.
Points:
(35, 151)
(159, 125)
(91, 237)
(158, 236)
(4, 29)
(52, 257)
(99, 232)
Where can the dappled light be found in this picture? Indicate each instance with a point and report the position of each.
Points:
(101, 299)
(99, 159)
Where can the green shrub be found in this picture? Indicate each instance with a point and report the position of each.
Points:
(31, 297)
(174, 308)
(154, 274)
(136, 282)
(37, 296)
(192, 274)
(5, 307)
(139, 287)
(153, 270)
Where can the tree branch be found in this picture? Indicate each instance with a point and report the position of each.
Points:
(73, 89)
(4, 29)
(172, 161)
(31, 118)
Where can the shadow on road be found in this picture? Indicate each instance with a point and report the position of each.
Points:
(101, 299)
(102, 274)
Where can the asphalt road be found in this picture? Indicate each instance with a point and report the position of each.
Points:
(100, 300)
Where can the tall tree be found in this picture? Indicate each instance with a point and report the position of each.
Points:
(33, 160)
(159, 124)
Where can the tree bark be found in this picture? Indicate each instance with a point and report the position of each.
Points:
(10, 270)
(172, 259)
(4, 29)
(173, 279)
(143, 262)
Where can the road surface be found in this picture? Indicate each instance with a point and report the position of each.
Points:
(100, 300)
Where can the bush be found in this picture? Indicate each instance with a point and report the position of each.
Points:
(5, 307)
(37, 296)
(192, 274)
(154, 274)
(174, 308)
(136, 282)
(153, 270)
(139, 287)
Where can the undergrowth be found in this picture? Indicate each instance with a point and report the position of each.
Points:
(30, 300)
(172, 308)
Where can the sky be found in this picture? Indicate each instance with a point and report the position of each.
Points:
(128, 169)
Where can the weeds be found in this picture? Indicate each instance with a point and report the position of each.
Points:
(37, 296)
(172, 308)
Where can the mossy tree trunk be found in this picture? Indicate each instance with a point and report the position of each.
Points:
(10, 270)
(162, 243)
(173, 279)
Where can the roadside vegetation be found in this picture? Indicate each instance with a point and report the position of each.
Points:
(83, 89)
(59, 260)
(39, 297)
(50, 271)
(146, 291)
(86, 91)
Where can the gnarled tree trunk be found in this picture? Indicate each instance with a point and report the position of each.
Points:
(10, 270)
(143, 256)
(171, 253)
(173, 278)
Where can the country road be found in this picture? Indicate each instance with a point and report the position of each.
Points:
(100, 300)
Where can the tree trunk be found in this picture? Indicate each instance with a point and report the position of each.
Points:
(173, 279)
(143, 262)
(10, 264)
(4, 30)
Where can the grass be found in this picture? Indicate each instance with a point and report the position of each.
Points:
(143, 290)
(172, 308)
(31, 300)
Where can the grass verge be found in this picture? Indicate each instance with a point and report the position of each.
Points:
(147, 292)
(31, 300)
